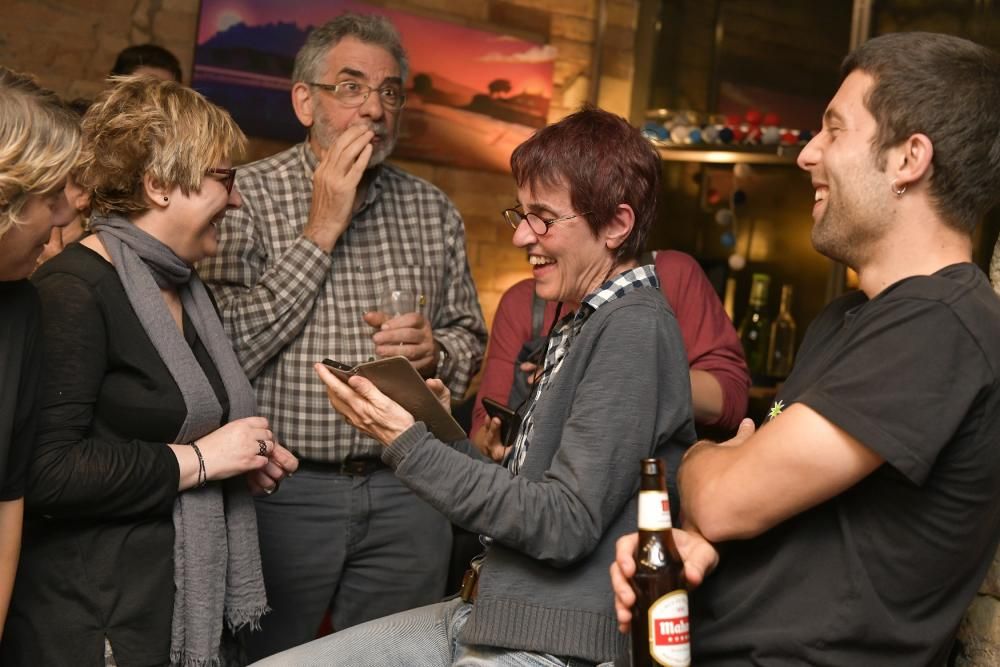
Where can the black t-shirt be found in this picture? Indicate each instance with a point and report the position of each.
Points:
(881, 574)
(20, 362)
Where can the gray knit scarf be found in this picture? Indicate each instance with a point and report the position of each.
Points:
(217, 570)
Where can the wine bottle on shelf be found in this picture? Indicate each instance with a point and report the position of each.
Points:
(781, 349)
(729, 300)
(755, 329)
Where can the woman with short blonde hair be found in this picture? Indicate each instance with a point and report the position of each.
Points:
(141, 545)
(39, 141)
(168, 133)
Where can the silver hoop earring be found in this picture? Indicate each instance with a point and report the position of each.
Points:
(897, 191)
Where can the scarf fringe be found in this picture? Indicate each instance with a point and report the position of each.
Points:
(237, 619)
(181, 659)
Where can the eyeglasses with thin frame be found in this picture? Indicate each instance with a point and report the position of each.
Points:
(539, 226)
(228, 177)
(354, 93)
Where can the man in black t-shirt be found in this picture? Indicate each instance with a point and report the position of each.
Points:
(855, 526)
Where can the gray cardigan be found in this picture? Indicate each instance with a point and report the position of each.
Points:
(623, 393)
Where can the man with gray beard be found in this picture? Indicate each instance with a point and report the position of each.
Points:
(325, 228)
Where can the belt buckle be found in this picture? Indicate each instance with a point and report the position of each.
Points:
(349, 467)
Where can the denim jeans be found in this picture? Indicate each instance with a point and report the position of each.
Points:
(424, 637)
(362, 546)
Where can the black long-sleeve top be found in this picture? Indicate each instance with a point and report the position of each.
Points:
(98, 546)
(19, 371)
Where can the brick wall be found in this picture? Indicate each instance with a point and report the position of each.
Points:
(71, 44)
(979, 633)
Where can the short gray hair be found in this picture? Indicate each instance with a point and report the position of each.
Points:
(367, 28)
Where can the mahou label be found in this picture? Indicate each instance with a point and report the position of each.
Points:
(654, 510)
(670, 630)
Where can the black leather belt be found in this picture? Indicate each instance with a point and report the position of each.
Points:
(357, 467)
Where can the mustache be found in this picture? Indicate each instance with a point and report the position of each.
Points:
(379, 128)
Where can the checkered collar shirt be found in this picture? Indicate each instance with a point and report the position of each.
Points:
(562, 336)
(287, 304)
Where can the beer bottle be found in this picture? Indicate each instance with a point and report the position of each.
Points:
(755, 329)
(781, 350)
(660, 626)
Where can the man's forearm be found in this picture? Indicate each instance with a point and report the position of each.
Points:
(706, 505)
(742, 487)
(458, 325)
(693, 476)
(263, 320)
(707, 397)
(463, 354)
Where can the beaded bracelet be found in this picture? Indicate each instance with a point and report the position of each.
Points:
(202, 474)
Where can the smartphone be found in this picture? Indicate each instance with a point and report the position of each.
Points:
(343, 371)
(510, 421)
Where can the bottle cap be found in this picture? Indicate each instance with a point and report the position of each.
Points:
(651, 466)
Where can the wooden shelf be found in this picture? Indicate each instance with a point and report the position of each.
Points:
(722, 154)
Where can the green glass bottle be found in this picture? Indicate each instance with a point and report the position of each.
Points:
(781, 352)
(755, 329)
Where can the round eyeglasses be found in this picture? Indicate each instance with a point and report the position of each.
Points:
(228, 177)
(514, 216)
(354, 94)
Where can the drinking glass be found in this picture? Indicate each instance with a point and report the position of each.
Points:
(396, 301)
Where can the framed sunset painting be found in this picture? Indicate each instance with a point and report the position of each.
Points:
(472, 95)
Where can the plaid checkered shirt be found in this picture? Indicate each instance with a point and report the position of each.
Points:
(562, 336)
(286, 304)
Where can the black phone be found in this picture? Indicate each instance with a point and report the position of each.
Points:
(510, 421)
(337, 366)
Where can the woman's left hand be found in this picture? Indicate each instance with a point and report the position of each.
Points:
(364, 407)
(281, 464)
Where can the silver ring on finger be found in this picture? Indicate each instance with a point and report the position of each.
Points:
(262, 444)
